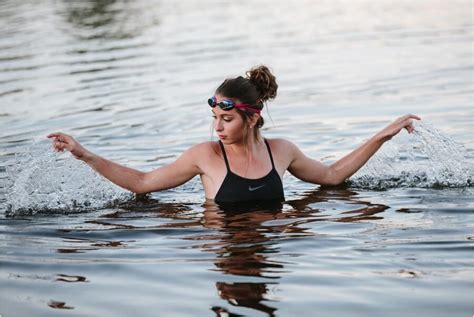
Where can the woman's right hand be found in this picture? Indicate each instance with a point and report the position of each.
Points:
(63, 142)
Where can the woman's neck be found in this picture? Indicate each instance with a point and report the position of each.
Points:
(247, 148)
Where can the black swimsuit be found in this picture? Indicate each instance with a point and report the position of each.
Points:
(236, 188)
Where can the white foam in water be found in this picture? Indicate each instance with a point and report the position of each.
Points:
(40, 179)
(426, 158)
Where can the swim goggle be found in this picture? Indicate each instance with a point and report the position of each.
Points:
(228, 104)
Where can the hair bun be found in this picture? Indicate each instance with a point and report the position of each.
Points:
(264, 80)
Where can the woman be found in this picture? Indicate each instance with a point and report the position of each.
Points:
(242, 165)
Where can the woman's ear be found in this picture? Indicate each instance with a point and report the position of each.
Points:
(252, 120)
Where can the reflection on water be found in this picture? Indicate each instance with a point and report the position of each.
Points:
(251, 295)
(59, 305)
(248, 241)
(107, 19)
(245, 242)
(250, 252)
(70, 278)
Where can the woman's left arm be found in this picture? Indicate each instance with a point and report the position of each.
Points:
(316, 172)
(352, 162)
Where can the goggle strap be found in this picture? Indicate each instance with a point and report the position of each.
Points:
(242, 106)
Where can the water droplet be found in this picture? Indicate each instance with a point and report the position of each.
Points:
(40, 179)
(427, 158)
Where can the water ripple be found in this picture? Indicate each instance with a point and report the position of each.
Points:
(130, 79)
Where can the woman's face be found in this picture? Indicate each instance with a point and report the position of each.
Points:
(228, 124)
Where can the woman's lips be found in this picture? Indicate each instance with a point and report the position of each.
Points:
(222, 137)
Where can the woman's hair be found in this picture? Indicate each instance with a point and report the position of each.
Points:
(255, 89)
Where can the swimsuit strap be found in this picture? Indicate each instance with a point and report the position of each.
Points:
(269, 152)
(225, 156)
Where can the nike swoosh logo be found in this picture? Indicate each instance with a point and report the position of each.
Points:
(251, 189)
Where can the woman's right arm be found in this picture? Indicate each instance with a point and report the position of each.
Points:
(172, 175)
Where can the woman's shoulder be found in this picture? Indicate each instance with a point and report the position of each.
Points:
(280, 143)
(282, 148)
(201, 154)
(205, 148)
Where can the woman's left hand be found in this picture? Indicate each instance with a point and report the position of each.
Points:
(403, 122)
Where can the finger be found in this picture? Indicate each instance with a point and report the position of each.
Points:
(60, 135)
(60, 145)
(410, 128)
(413, 116)
(57, 139)
(53, 135)
(63, 138)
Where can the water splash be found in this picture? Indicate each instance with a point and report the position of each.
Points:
(40, 179)
(427, 158)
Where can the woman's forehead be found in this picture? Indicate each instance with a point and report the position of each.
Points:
(219, 112)
(221, 97)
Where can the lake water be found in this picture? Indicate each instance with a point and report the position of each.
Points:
(130, 80)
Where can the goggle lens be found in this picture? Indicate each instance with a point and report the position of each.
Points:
(224, 104)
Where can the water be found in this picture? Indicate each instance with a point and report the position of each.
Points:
(429, 159)
(130, 80)
(39, 180)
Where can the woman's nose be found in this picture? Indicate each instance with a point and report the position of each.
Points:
(218, 125)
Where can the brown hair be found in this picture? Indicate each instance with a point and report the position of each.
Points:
(258, 87)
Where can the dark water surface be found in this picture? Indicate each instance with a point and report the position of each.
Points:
(130, 80)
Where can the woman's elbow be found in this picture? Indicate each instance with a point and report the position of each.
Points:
(332, 182)
(338, 182)
(333, 178)
(139, 191)
(139, 186)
